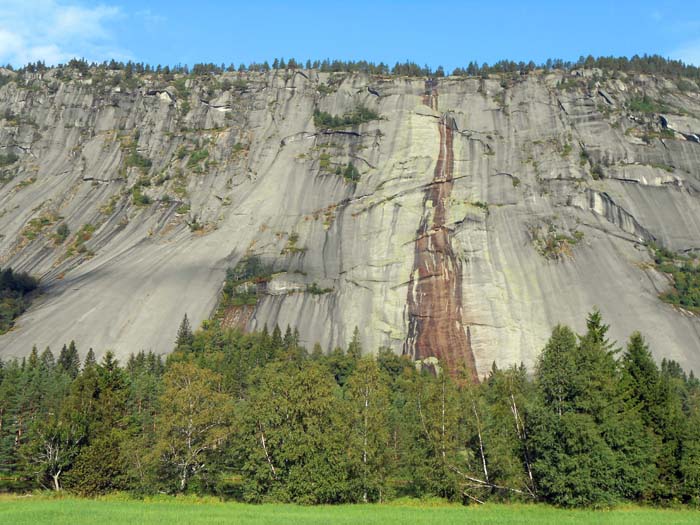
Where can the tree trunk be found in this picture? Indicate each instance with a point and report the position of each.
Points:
(56, 484)
(364, 446)
(481, 443)
(520, 429)
(267, 456)
(18, 435)
(183, 480)
(444, 455)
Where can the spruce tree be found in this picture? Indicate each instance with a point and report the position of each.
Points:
(69, 360)
(47, 360)
(99, 467)
(571, 460)
(277, 339)
(589, 448)
(90, 361)
(556, 370)
(33, 361)
(317, 352)
(10, 416)
(640, 380)
(288, 340)
(185, 338)
(355, 346)
(671, 424)
(689, 462)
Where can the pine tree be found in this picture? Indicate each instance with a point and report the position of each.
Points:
(99, 467)
(392, 364)
(340, 365)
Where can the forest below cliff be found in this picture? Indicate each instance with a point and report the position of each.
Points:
(259, 418)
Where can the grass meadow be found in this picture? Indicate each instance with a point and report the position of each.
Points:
(113, 510)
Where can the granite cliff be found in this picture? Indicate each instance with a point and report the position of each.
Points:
(463, 220)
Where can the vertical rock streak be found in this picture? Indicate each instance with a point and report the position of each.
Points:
(434, 304)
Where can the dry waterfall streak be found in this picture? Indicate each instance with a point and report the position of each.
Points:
(434, 304)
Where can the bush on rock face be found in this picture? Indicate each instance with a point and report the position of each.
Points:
(359, 115)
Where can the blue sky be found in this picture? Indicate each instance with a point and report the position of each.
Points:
(448, 33)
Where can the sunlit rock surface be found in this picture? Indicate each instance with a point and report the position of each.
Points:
(531, 156)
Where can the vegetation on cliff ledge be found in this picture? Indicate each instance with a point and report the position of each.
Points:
(242, 283)
(684, 271)
(359, 115)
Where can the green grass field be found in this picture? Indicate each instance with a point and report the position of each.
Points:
(33, 510)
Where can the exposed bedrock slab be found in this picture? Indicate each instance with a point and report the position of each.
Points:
(431, 252)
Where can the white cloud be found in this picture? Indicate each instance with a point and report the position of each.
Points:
(149, 17)
(56, 31)
(688, 53)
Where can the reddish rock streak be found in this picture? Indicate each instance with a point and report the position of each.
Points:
(238, 317)
(434, 303)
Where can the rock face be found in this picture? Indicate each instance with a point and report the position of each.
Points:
(435, 319)
(440, 249)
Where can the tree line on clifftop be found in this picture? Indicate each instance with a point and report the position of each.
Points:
(649, 64)
(257, 417)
